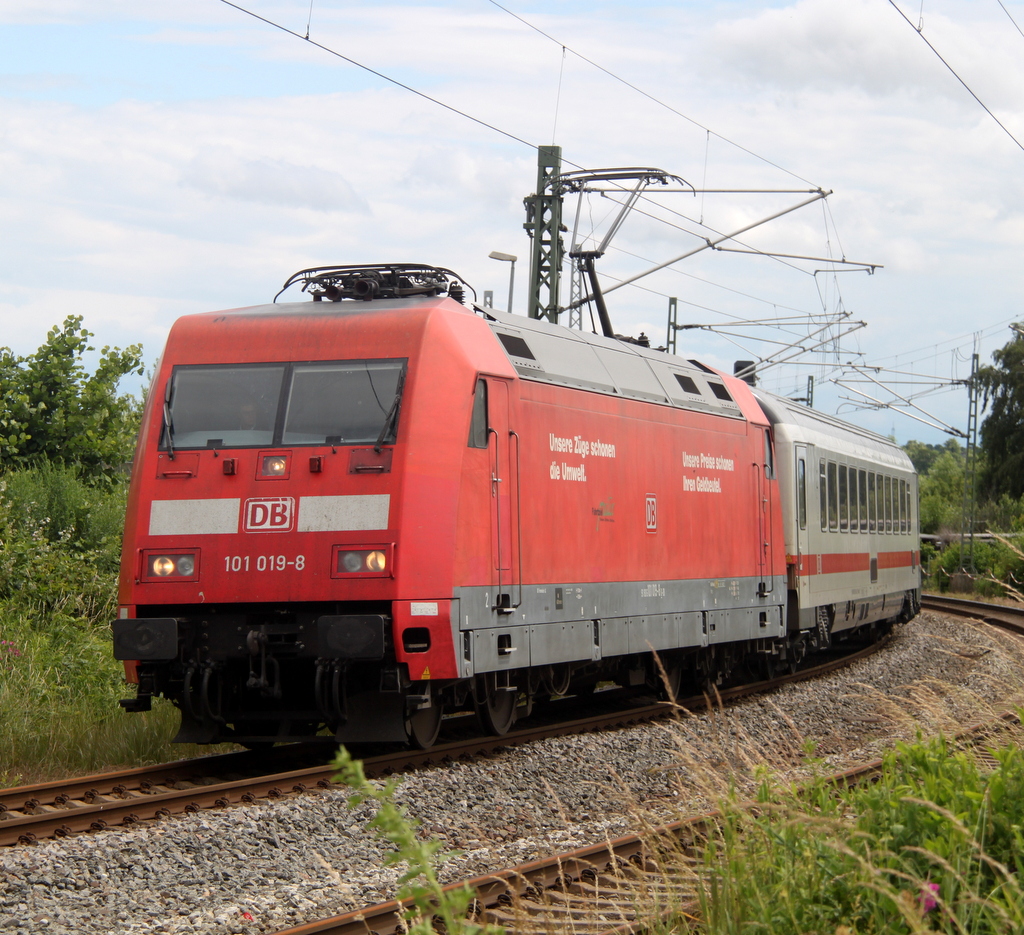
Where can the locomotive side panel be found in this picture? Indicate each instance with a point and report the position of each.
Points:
(617, 510)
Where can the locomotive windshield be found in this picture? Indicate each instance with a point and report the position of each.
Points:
(340, 402)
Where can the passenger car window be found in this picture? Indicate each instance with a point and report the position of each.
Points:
(833, 497)
(822, 495)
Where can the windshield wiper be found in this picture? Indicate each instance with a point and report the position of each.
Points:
(169, 431)
(168, 421)
(389, 419)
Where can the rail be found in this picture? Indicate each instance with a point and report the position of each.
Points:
(129, 797)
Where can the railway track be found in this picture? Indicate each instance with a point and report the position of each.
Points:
(1006, 617)
(129, 797)
(594, 890)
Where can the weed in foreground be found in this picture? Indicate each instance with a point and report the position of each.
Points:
(432, 904)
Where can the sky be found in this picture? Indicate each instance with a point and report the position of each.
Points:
(169, 158)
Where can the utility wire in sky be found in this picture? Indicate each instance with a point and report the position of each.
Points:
(352, 61)
(1012, 20)
(955, 75)
(650, 97)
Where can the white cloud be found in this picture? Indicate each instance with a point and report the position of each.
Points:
(272, 182)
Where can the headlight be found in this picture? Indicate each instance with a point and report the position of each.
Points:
(274, 466)
(351, 561)
(361, 561)
(163, 566)
(171, 566)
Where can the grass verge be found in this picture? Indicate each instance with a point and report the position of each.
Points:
(59, 683)
(934, 845)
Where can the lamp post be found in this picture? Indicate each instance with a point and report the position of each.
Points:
(508, 258)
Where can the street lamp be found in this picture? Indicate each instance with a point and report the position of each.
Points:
(508, 258)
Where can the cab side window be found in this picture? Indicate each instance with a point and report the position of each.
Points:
(478, 435)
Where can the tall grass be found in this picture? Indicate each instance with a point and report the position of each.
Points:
(60, 541)
(934, 845)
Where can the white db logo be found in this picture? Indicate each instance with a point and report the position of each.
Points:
(652, 513)
(269, 514)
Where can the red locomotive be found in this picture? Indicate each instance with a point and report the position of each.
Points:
(360, 512)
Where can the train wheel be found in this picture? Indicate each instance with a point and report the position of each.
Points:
(423, 726)
(495, 705)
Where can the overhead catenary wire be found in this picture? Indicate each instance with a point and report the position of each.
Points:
(1012, 20)
(379, 74)
(953, 72)
(331, 51)
(641, 91)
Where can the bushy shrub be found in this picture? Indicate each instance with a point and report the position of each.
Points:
(993, 562)
(60, 543)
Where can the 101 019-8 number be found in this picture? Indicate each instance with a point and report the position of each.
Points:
(263, 562)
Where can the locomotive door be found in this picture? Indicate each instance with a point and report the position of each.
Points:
(765, 473)
(504, 480)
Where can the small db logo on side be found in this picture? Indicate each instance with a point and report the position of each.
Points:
(269, 514)
(652, 513)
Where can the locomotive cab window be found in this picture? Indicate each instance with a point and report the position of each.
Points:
(478, 436)
(266, 405)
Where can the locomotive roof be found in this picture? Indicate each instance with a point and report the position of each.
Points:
(547, 353)
(555, 354)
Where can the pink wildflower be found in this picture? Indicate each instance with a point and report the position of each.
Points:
(926, 898)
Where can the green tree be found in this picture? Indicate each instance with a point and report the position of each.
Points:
(53, 410)
(1002, 432)
(942, 492)
(923, 456)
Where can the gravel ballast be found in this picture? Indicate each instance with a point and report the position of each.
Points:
(264, 867)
